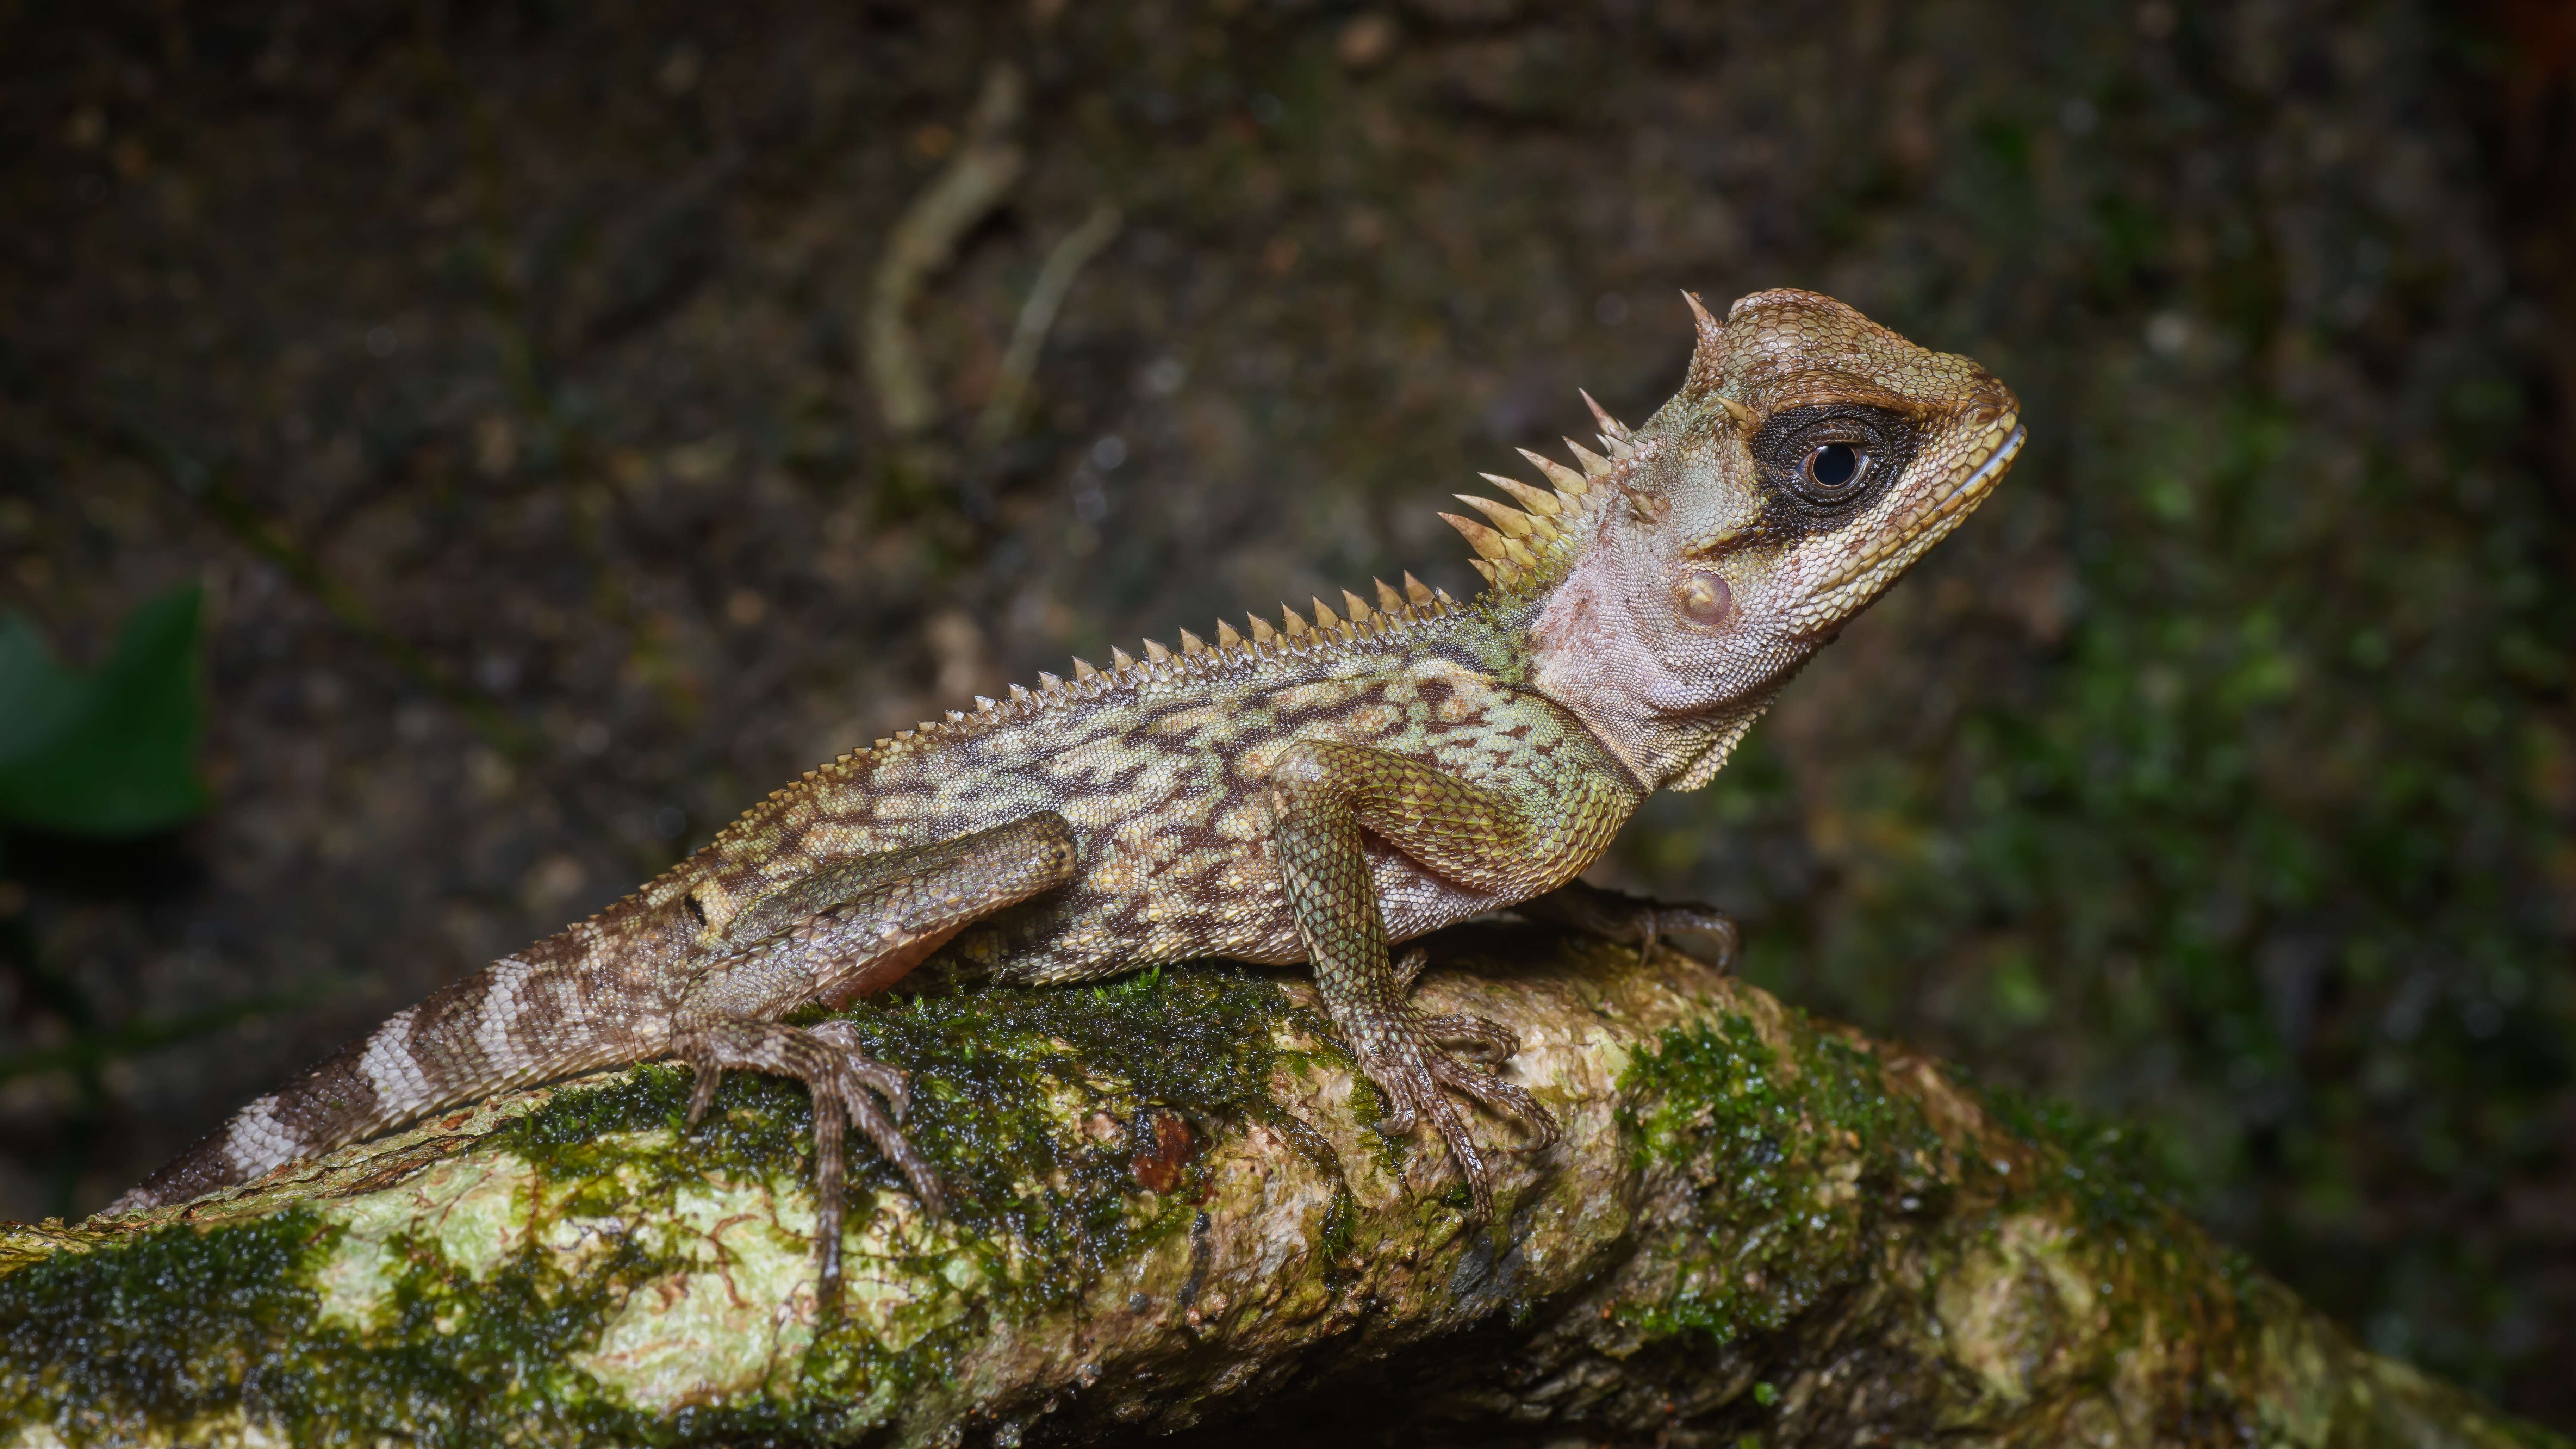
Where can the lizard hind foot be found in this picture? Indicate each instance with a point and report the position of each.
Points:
(892, 1083)
(1469, 1036)
(1508, 1100)
(875, 1097)
(1660, 922)
(849, 1089)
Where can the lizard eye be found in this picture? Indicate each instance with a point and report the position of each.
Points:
(1827, 460)
(1833, 472)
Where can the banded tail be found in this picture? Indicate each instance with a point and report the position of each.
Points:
(510, 1024)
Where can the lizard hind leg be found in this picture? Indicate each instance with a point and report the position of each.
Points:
(849, 1090)
(850, 929)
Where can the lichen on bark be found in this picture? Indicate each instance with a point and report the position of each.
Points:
(1173, 1210)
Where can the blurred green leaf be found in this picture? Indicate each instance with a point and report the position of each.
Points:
(110, 752)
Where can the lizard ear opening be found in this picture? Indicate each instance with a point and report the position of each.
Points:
(1704, 600)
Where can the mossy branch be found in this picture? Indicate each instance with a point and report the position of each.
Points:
(1174, 1212)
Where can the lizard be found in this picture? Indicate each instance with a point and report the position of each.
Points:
(1313, 791)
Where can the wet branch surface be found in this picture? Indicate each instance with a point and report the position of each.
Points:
(1175, 1216)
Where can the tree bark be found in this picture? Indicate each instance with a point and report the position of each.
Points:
(1175, 1217)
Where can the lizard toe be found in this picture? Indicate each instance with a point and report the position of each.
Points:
(702, 1090)
(1473, 1036)
(1420, 1083)
(1451, 1127)
(860, 1099)
(1716, 935)
(875, 1097)
(1401, 1097)
(1503, 1099)
(892, 1083)
(1640, 922)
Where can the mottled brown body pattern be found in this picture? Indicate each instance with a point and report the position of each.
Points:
(1314, 790)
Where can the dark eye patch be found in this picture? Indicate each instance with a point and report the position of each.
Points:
(1822, 463)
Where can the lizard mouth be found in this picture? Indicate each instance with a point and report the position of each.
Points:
(1904, 538)
(1933, 516)
(1970, 490)
(1974, 486)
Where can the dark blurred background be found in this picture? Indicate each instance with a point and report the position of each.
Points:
(499, 379)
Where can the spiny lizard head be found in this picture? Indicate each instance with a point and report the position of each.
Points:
(1810, 456)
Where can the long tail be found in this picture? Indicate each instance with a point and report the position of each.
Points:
(511, 1023)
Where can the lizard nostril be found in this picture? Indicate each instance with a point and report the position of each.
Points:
(1705, 600)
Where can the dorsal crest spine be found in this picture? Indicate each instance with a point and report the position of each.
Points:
(1522, 547)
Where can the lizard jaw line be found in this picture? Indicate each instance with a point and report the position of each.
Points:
(1969, 491)
(1934, 518)
(1838, 599)
(1984, 477)
(1972, 490)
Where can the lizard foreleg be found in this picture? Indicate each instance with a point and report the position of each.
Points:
(1325, 796)
(832, 936)
(1637, 921)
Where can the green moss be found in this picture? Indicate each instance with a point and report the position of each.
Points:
(2103, 1168)
(1341, 1219)
(1003, 1082)
(2155, 1274)
(159, 1329)
(1800, 1161)
(1368, 1111)
(471, 1360)
(179, 1323)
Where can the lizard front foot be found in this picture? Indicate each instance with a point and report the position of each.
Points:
(1407, 1056)
(849, 1089)
(1639, 921)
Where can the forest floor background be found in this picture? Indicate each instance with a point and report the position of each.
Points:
(500, 375)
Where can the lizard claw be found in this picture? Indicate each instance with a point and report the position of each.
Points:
(702, 1091)
(1639, 921)
(1473, 1037)
(1503, 1099)
(1415, 1076)
(892, 1083)
(849, 1090)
